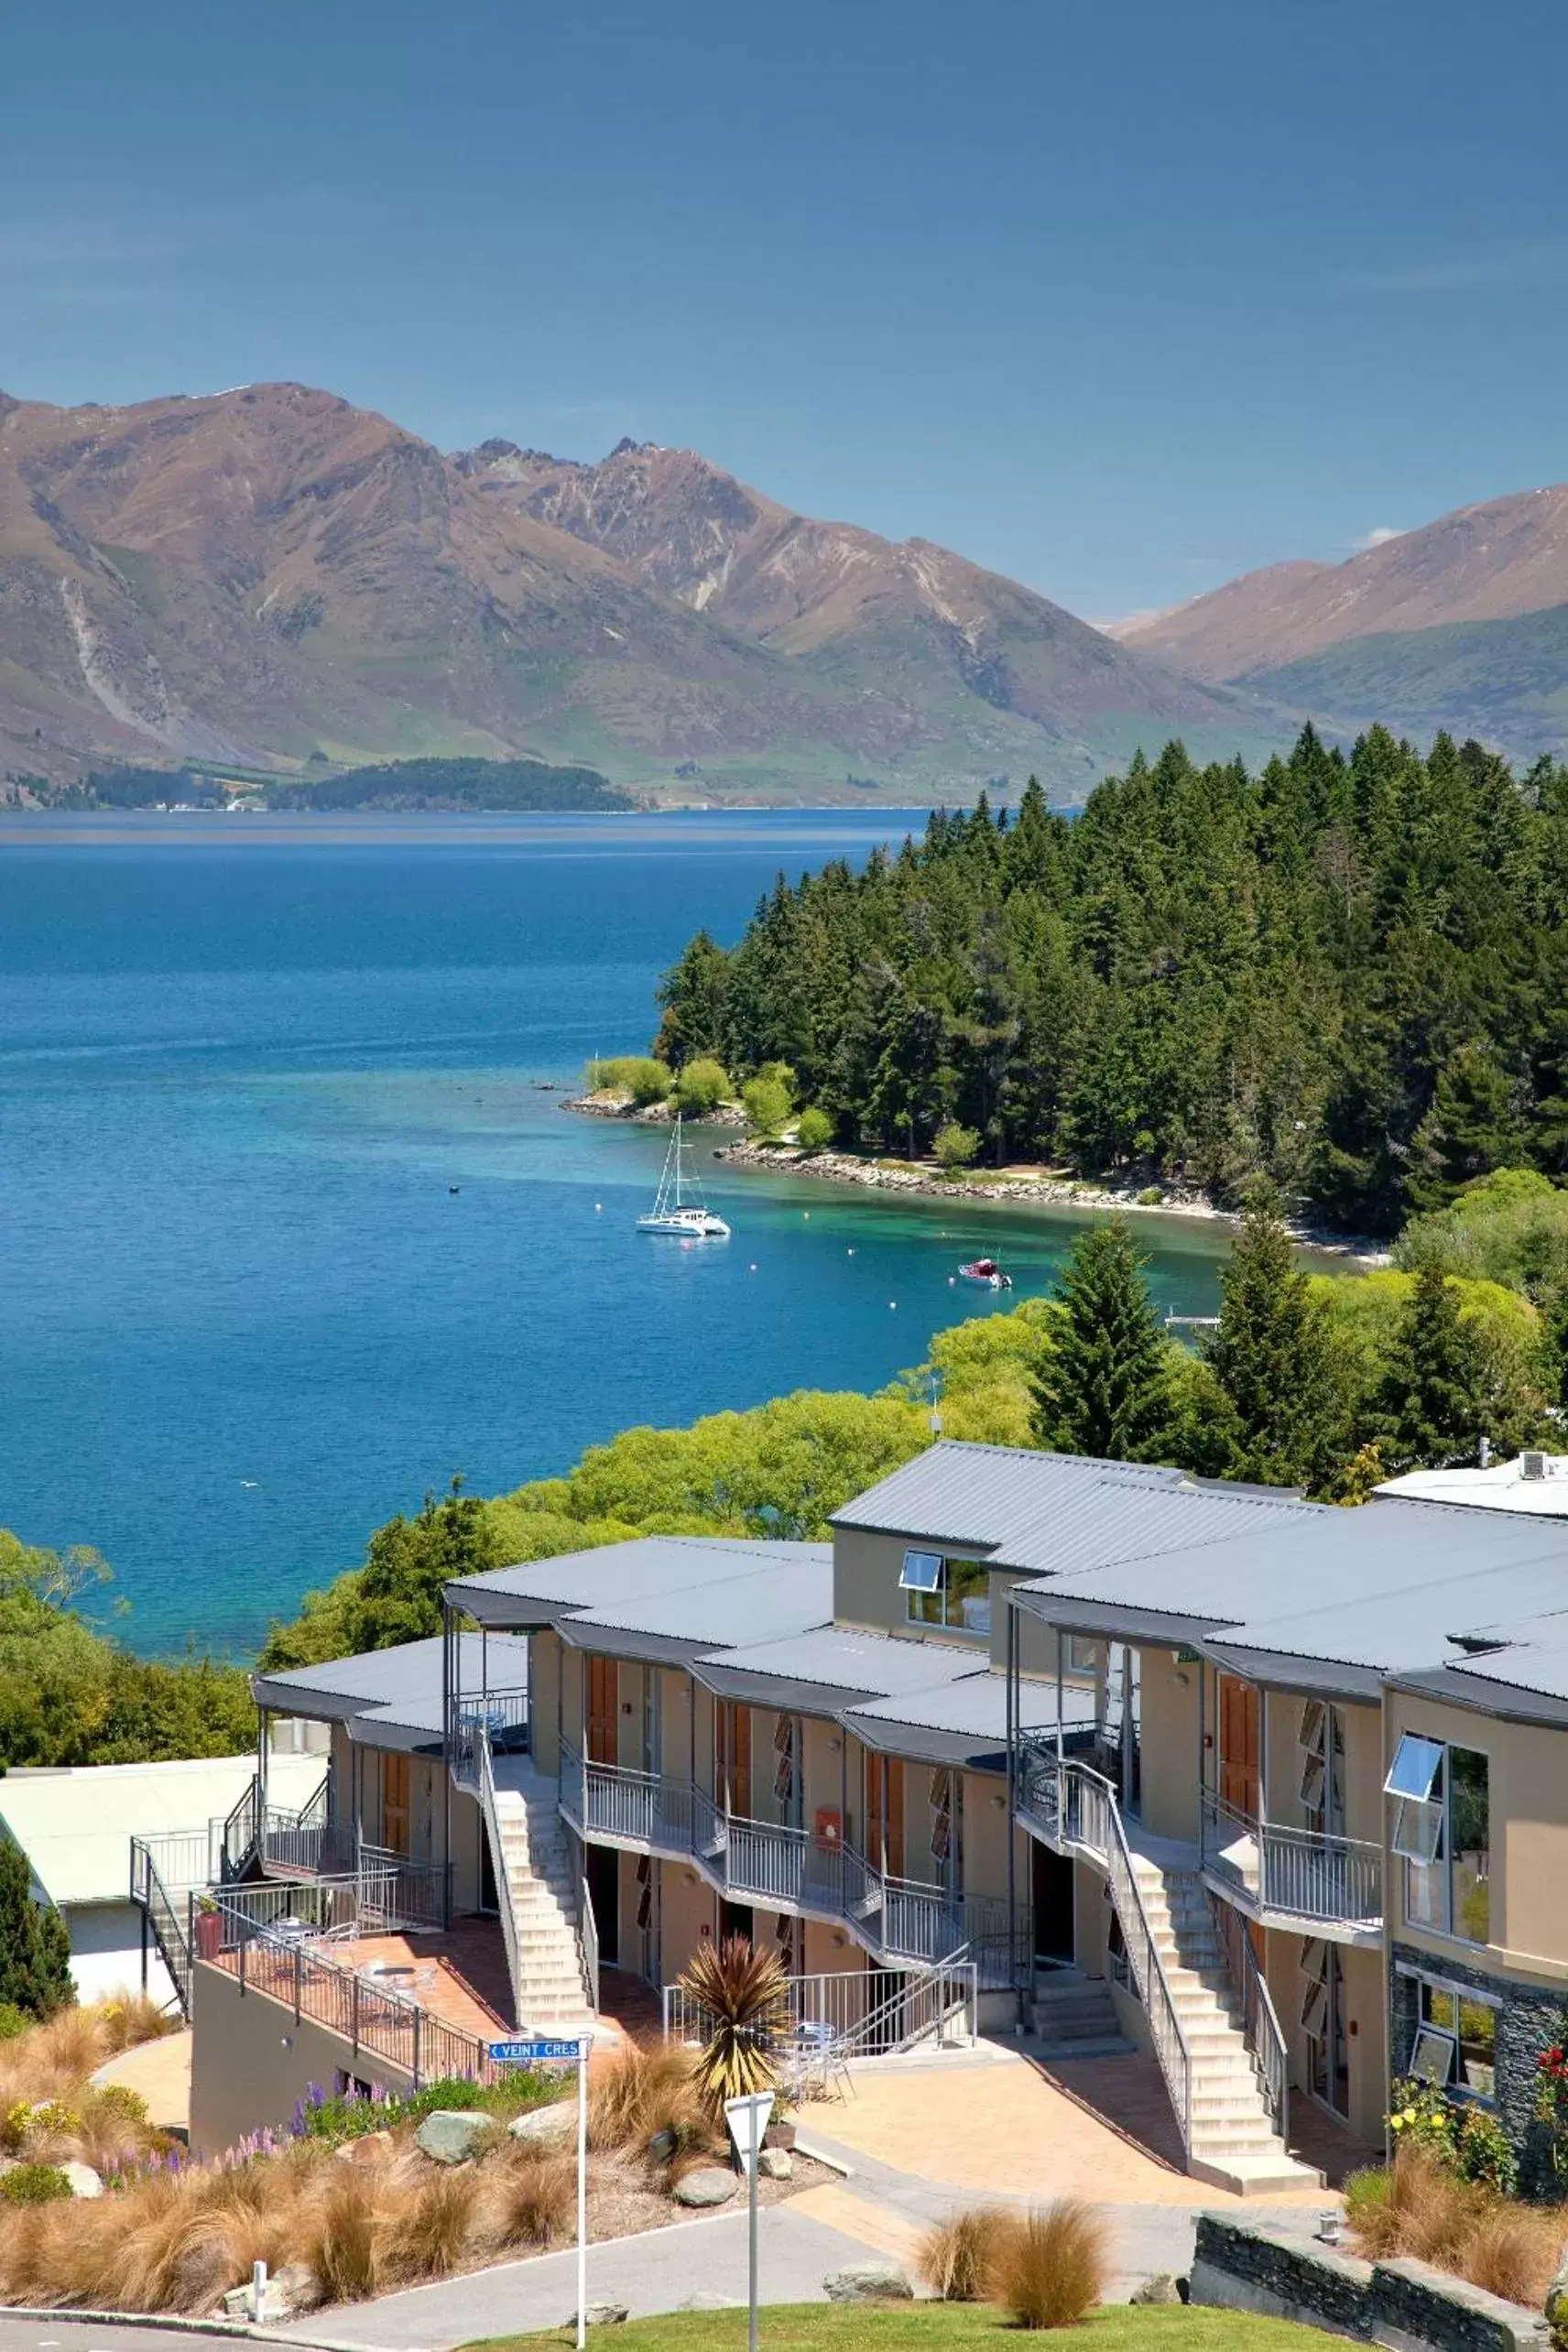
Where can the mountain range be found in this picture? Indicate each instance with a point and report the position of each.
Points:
(272, 577)
(1463, 625)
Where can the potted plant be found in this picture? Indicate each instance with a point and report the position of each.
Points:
(209, 1928)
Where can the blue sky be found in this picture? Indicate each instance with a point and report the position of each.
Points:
(1119, 299)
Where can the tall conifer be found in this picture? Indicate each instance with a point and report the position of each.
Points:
(1105, 1389)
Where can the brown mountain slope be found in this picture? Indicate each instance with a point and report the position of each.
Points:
(269, 572)
(1489, 562)
(840, 600)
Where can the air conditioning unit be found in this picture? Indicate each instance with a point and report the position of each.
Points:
(1534, 1465)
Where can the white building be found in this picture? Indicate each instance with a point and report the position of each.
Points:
(76, 1823)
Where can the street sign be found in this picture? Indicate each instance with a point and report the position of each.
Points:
(536, 2051)
(538, 2054)
(748, 2120)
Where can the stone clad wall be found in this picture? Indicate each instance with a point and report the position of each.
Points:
(1407, 2305)
(1527, 2024)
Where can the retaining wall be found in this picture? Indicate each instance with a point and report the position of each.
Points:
(1405, 2305)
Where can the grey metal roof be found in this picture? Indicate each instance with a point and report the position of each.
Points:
(832, 1663)
(764, 1597)
(405, 1680)
(1059, 1513)
(986, 1497)
(963, 1721)
(617, 1575)
(1389, 1588)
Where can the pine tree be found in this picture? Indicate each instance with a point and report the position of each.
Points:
(1469, 1130)
(694, 994)
(1434, 1403)
(35, 1949)
(1274, 1358)
(1105, 1390)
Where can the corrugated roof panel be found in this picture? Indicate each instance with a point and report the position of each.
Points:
(620, 1573)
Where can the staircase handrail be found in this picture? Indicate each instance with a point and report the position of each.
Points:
(1096, 1796)
(151, 1896)
(1260, 2022)
(242, 1828)
(588, 1946)
(499, 1855)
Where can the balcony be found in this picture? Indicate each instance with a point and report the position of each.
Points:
(503, 1715)
(1288, 1878)
(900, 1920)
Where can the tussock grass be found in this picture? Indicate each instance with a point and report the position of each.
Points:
(535, 2197)
(434, 2231)
(1510, 2248)
(958, 2257)
(644, 2087)
(1051, 2265)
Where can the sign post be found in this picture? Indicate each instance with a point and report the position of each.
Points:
(748, 2120)
(537, 2052)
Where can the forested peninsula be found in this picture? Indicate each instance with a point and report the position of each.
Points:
(439, 786)
(1347, 973)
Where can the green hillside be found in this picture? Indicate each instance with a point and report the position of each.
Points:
(1504, 682)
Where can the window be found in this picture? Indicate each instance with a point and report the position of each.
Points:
(1442, 1832)
(952, 1592)
(1456, 2041)
(1083, 1654)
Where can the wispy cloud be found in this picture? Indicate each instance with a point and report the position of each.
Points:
(1491, 268)
(1378, 536)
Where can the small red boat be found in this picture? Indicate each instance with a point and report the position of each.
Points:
(986, 1270)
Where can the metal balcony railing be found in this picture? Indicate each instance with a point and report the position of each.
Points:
(1275, 1871)
(504, 1717)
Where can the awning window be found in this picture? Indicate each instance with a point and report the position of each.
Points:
(922, 1572)
(1416, 1765)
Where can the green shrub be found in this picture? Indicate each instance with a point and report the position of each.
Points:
(28, 2185)
(955, 1146)
(637, 1074)
(13, 2021)
(1150, 1197)
(765, 1102)
(814, 1130)
(700, 1087)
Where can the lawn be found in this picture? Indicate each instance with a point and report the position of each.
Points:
(936, 2327)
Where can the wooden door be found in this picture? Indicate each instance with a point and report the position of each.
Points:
(395, 1803)
(603, 1712)
(731, 1757)
(884, 1814)
(1239, 1732)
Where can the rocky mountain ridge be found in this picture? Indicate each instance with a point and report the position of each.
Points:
(270, 573)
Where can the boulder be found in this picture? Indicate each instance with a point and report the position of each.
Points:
(370, 2148)
(706, 2299)
(868, 2282)
(779, 2135)
(1557, 2303)
(454, 2135)
(776, 2164)
(710, 2185)
(1160, 2288)
(84, 2181)
(546, 2126)
(297, 2287)
(598, 2315)
(664, 2147)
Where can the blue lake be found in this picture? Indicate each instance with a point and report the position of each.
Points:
(243, 1317)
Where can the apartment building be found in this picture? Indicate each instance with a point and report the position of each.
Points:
(1270, 1789)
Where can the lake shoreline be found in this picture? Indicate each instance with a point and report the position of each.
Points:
(1025, 1190)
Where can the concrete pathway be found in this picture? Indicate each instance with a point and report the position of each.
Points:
(159, 2072)
(652, 2273)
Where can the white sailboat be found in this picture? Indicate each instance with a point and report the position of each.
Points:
(673, 1212)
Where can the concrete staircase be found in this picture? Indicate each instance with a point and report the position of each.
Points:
(1234, 2144)
(1074, 2016)
(534, 1874)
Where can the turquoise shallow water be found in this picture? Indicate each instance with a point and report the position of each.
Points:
(243, 1317)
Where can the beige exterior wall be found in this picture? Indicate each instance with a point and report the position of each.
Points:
(688, 1905)
(1169, 1740)
(1528, 1789)
(251, 2061)
(1362, 1973)
(986, 1836)
(468, 1842)
(675, 1728)
(544, 1693)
